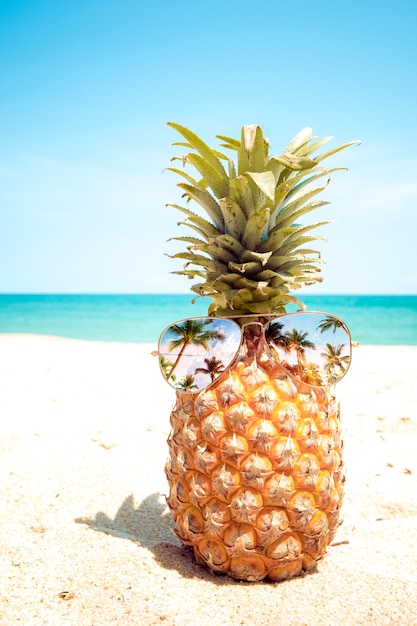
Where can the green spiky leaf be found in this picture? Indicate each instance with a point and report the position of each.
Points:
(254, 246)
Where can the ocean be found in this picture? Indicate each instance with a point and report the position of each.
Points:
(373, 320)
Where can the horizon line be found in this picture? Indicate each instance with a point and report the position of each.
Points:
(185, 293)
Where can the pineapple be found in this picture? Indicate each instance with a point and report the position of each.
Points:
(255, 469)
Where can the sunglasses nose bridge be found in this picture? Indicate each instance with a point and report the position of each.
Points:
(252, 323)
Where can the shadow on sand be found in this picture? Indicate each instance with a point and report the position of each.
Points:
(149, 526)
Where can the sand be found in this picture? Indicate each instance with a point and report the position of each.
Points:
(84, 530)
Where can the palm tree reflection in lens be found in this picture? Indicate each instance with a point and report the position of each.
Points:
(185, 340)
(191, 332)
(213, 368)
(187, 384)
(313, 347)
(306, 352)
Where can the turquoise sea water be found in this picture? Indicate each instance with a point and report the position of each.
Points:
(373, 320)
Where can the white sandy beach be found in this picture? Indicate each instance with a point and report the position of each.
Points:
(84, 530)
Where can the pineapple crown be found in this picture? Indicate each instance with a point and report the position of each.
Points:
(250, 250)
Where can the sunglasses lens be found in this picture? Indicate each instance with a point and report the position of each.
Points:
(194, 353)
(313, 347)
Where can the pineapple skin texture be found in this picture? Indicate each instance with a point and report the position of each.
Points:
(255, 469)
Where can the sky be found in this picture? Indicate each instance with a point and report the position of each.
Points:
(86, 89)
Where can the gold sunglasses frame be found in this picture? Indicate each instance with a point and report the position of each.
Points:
(260, 320)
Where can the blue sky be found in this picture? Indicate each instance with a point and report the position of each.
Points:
(87, 86)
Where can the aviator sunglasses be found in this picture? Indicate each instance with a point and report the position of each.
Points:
(315, 348)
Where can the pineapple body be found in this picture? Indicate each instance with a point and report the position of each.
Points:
(255, 469)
